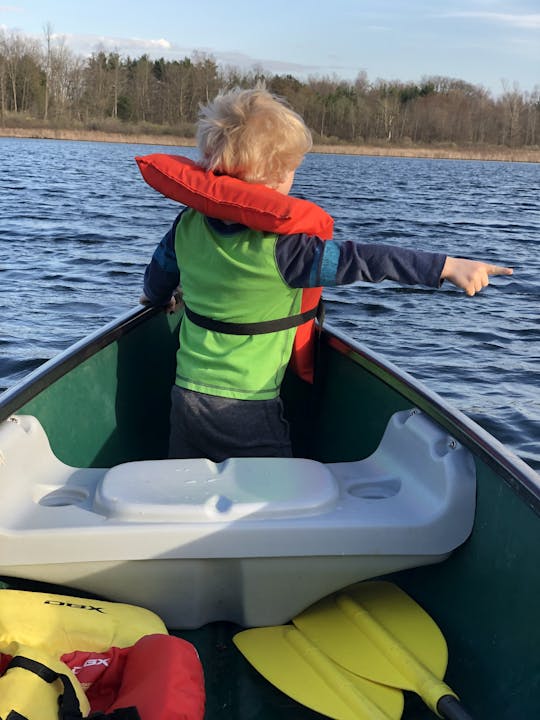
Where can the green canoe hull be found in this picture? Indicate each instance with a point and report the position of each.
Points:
(105, 401)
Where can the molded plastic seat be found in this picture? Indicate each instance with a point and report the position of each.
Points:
(198, 490)
(196, 542)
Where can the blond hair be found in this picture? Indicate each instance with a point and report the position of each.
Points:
(252, 135)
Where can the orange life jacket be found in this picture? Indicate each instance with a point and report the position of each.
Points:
(256, 206)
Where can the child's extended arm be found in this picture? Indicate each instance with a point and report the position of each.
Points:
(307, 261)
(470, 275)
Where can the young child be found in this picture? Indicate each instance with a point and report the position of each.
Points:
(225, 402)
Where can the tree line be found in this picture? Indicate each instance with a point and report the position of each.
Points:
(45, 82)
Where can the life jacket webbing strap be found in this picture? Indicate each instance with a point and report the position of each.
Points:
(255, 328)
(68, 702)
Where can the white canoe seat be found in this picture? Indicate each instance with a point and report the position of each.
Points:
(198, 490)
(197, 541)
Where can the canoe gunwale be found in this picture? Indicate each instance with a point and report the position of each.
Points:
(520, 476)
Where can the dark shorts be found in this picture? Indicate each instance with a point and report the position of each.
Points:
(218, 428)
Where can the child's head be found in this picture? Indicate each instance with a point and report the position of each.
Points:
(252, 135)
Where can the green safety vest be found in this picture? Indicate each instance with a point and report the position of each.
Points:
(232, 277)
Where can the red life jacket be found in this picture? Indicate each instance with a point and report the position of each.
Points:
(256, 206)
(158, 678)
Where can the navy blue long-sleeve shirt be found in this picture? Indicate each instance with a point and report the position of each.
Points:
(307, 261)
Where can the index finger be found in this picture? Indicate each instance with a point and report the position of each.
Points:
(498, 270)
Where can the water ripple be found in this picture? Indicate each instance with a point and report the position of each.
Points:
(79, 225)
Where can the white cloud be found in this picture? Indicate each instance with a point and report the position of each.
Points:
(155, 48)
(529, 21)
(151, 44)
(138, 45)
(246, 62)
(87, 44)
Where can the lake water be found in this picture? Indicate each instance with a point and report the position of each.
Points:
(78, 225)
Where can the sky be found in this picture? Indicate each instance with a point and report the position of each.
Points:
(490, 43)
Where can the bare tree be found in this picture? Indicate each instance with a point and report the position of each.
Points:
(49, 82)
(3, 74)
(47, 31)
(513, 107)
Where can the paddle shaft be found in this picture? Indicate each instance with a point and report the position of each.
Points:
(433, 691)
(450, 708)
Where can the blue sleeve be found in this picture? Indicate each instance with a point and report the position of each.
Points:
(162, 275)
(308, 261)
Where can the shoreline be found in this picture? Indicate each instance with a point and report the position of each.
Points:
(497, 154)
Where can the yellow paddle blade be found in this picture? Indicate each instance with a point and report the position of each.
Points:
(376, 630)
(285, 657)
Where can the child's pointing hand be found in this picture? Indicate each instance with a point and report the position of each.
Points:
(471, 275)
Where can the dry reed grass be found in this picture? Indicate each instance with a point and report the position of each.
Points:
(448, 153)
